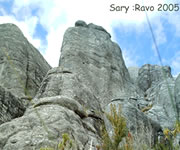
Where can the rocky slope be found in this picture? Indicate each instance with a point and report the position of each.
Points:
(22, 69)
(73, 97)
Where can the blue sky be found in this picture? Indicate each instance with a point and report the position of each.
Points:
(44, 22)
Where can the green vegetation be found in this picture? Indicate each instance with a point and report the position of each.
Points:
(65, 144)
(169, 137)
(46, 148)
(120, 130)
(125, 140)
(147, 108)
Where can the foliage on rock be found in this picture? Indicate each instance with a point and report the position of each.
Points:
(147, 108)
(65, 144)
(125, 140)
(120, 130)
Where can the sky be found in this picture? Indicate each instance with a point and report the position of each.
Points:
(43, 22)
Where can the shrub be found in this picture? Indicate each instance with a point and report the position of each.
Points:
(65, 144)
(120, 130)
(125, 140)
(47, 148)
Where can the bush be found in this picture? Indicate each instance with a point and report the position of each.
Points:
(125, 140)
(65, 144)
(120, 130)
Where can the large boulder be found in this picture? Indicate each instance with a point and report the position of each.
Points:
(22, 69)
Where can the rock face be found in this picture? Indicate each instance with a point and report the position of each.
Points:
(161, 97)
(89, 75)
(22, 69)
(73, 97)
(10, 106)
(150, 75)
(137, 121)
(177, 94)
(158, 86)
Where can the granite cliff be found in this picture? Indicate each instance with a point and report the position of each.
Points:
(40, 104)
(22, 69)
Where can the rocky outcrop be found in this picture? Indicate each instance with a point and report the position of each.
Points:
(73, 97)
(22, 69)
(162, 98)
(89, 75)
(158, 86)
(10, 106)
(150, 75)
(137, 121)
(177, 95)
(159, 93)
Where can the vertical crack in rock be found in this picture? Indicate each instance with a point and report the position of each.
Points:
(27, 74)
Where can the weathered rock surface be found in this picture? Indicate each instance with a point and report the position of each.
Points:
(73, 96)
(137, 121)
(160, 93)
(59, 115)
(177, 95)
(89, 75)
(97, 62)
(22, 69)
(160, 104)
(162, 98)
(150, 75)
(10, 106)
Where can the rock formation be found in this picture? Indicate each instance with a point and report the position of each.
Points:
(22, 69)
(10, 106)
(73, 97)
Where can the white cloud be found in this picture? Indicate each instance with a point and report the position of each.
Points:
(175, 63)
(159, 32)
(54, 39)
(130, 58)
(173, 18)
